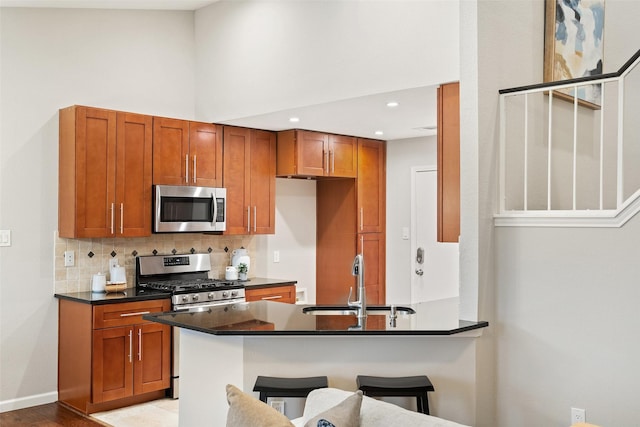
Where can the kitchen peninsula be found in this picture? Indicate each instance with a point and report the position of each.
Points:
(234, 344)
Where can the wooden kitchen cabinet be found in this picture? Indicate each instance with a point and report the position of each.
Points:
(285, 294)
(316, 154)
(104, 173)
(250, 179)
(371, 185)
(186, 153)
(372, 246)
(449, 162)
(109, 357)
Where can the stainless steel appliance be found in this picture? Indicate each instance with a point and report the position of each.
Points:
(189, 209)
(186, 279)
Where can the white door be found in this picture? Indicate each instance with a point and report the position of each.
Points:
(436, 275)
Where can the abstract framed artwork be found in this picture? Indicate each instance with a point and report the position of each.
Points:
(573, 46)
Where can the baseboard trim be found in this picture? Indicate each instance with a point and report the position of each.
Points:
(28, 401)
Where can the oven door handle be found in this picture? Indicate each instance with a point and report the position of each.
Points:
(214, 202)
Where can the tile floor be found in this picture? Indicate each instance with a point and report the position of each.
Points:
(157, 413)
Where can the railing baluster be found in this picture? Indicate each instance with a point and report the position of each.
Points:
(526, 148)
(575, 144)
(602, 146)
(549, 151)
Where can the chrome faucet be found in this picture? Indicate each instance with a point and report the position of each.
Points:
(360, 304)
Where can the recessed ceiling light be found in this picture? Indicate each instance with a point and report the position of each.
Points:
(294, 119)
(392, 104)
(379, 132)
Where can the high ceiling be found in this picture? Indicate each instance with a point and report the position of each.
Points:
(415, 115)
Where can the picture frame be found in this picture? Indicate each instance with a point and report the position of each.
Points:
(573, 46)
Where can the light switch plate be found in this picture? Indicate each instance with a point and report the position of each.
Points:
(5, 237)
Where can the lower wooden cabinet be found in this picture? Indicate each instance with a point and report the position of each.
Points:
(109, 357)
(286, 294)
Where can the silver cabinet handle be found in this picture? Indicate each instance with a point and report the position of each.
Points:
(255, 219)
(121, 218)
(419, 271)
(248, 219)
(112, 218)
(186, 168)
(332, 155)
(130, 345)
(139, 313)
(326, 156)
(272, 297)
(361, 219)
(140, 344)
(194, 168)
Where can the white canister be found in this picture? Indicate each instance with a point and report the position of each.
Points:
(230, 273)
(98, 282)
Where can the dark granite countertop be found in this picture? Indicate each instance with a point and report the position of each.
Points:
(262, 282)
(267, 318)
(128, 295)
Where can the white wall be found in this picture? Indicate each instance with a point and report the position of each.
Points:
(50, 59)
(563, 302)
(257, 57)
(402, 155)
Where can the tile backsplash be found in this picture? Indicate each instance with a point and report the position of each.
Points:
(92, 255)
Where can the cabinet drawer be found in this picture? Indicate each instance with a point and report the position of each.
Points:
(128, 313)
(286, 294)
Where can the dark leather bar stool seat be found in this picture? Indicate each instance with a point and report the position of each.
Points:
(417, 386)
(287, 387)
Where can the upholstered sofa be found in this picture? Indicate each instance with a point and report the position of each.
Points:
(327, 407)
(373, 413)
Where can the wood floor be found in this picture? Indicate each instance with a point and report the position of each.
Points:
(49, 415)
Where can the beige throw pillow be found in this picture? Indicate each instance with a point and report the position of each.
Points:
(245, 410)
(344, 414)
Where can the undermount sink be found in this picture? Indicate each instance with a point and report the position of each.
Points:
(343, 310)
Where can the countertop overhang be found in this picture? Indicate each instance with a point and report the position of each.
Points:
(267, 318)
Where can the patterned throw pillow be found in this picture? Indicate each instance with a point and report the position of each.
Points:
(325, 423)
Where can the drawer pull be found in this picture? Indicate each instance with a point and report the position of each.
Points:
(139, 313)
(273, 297)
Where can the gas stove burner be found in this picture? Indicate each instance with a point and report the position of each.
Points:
(193, 285)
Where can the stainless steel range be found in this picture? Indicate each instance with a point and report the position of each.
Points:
(186, 278)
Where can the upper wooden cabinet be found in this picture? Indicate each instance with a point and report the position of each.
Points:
(371, 186)
(315, 154)
(449, 162)
(104, 173)
(250, 179)
(186, 153)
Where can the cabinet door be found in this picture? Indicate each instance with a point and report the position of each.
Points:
(170, 151)
(95, 152)
(372, 247)
(263, 182)
(133, 175)
(312, 152)
(205, 152)
(371, 186)
(236, 175)
(152, 360)
(112, 364)
(343, 156)
(449, 162)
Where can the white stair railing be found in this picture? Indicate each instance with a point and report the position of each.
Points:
(569, 151)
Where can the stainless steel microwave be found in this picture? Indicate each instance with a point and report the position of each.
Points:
(184, 209)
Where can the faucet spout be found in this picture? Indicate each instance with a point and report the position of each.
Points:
(360, 304)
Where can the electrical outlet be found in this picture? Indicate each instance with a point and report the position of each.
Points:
(278, 405)
(276, 256)
(69, 258)
(578, 415)
(113, 262)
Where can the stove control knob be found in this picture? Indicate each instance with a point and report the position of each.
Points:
(185, 298)
(234, 294)
(225, 294)
(211, 295)
(195, 297)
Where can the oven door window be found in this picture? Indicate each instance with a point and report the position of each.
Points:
(186, 209)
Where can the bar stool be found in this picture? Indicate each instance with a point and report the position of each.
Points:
(417, 386)
(287, 387)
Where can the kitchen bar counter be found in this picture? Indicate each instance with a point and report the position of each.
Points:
(272, 318)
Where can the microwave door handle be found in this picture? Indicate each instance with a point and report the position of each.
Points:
(214, 202)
